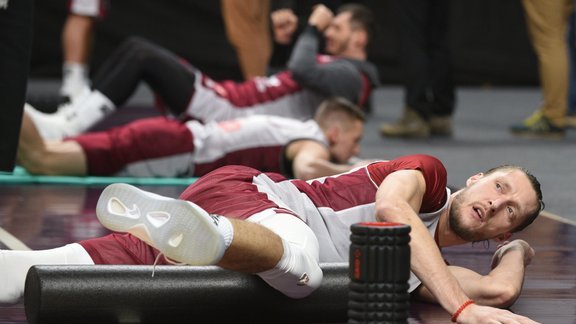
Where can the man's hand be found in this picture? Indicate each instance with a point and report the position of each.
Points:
(516, 245)
(284, 24)
(484, 314)
(320, 17)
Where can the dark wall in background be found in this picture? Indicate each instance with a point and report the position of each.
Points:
(490, 42)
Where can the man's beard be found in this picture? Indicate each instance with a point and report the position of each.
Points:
(339, 47)
(455, 219)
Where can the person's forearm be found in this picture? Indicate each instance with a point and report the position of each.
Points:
(320, 168)
(397, 201)
(428, 265)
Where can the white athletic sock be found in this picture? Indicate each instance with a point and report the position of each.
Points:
(74, 79)
(14, 266)
(226, 230)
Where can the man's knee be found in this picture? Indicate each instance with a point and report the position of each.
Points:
(504, 295)
(297, 275)
(137, 45)
(298, 272)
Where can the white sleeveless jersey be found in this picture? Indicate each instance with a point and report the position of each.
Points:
(257, 141)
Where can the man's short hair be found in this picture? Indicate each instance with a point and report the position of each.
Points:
(535, 185)
(360, 17)
(338, 105)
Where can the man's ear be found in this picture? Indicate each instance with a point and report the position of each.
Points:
(360, 38)
(333, 134)
(503, 237)
(474, 178)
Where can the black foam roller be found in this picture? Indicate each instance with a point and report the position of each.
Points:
(176, 294)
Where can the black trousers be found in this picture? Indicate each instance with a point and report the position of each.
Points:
(16, 26)
(138, 60)
(424, 54)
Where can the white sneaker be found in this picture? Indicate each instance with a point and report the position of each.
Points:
(181, 230)
(52, 126)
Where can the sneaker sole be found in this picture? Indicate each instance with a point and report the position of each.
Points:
(181, 230)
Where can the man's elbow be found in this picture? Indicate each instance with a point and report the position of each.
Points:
(502, 295)
(300, 73)
(305, 174)
(389, 212)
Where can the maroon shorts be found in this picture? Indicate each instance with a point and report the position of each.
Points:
(228, 191)
(108, 152)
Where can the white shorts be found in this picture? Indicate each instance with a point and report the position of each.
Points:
(298, 273)
(89, 8)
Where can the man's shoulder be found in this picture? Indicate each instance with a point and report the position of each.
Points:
(365, 67)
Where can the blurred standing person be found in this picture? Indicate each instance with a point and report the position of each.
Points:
(16, 29)
(425, 59)
(548, 26)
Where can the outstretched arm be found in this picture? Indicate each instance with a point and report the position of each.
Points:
(398, 199)
(502, 285)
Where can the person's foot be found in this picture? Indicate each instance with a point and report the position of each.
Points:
(411, 125)
(571, 120)
(440, 126)
(508, 246)
(181, 230)
(54, 126)
(537, 125)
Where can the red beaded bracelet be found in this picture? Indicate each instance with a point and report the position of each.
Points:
(460, 309)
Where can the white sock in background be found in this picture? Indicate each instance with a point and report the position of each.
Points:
(14, 266)
(74, 79)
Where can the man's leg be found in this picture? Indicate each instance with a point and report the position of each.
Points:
(77, 38)
(548, 25)
(279, 248)
(499, 288)
(48, 158)
(139, 60)
(248, 30)
(135, 61)
(442, 84)
(412, 27)
(77, 45)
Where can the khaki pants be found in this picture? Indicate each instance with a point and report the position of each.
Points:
(547, 22)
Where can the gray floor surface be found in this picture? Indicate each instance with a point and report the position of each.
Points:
(481, 139)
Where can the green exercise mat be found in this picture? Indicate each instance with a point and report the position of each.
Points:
(20, 176)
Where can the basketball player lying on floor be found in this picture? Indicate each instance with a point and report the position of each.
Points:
(188, 93)
(244, 220)
(162, 147)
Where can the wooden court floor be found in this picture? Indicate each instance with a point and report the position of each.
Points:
(46, 216)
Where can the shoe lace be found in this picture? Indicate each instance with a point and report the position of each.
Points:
(166, 259)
